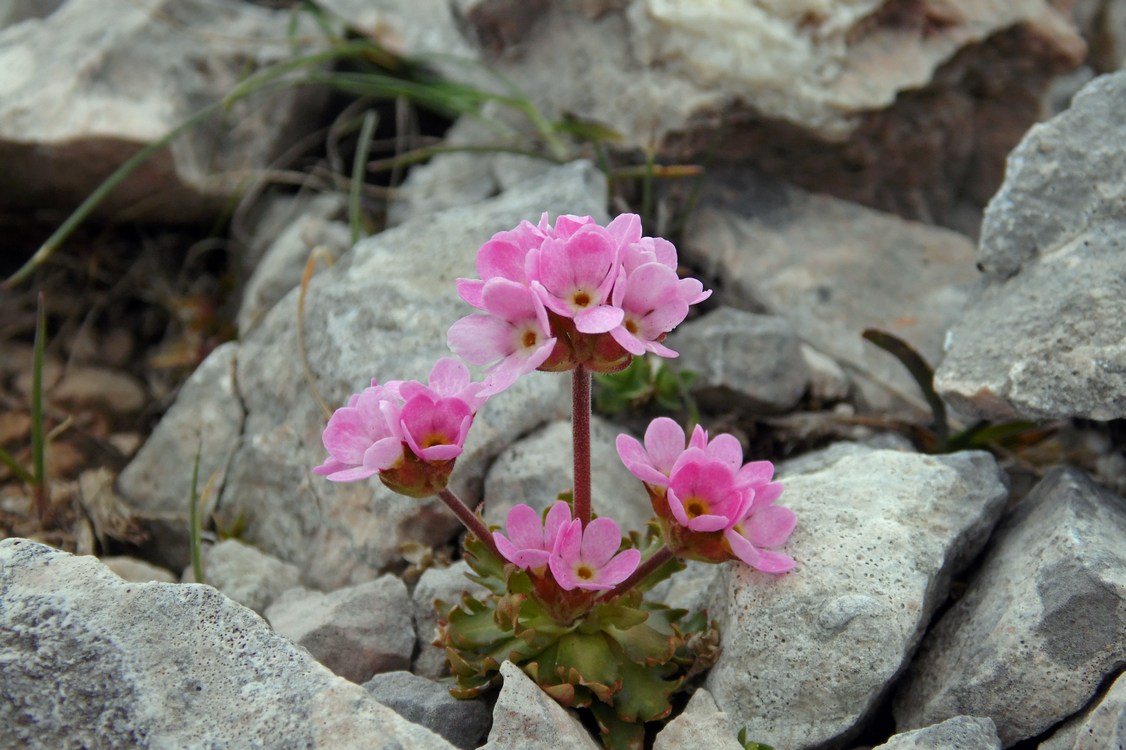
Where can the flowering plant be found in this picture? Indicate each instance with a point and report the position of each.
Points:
(566, 590)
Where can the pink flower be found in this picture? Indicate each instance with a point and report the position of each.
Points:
(514, 337)
(702, 493)
(763, 525)
(574, 278)
(435, 428)
(653, 462)
(529, 542)
(586, 559)
(652, 305)
(362, 438)
(503, 257)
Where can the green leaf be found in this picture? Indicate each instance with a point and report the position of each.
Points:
(645, 691)
(586, 659)
(618, 734)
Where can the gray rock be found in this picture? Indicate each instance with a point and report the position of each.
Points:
(833, 269)
(283, 262)
(15, 11)
(89, 660)
(438, 584)
(961, 732)
(206, 417)
(1047, 343)
(91, 84)
(1040, 625)
(808, 655)
(249, 576)
(356, 631)
(701, 724)
(138, 571)
(535, 469)
(742, 360)
(1103, 726)
(421, 701)
(828, 382)
(383, 311)
(526, 718)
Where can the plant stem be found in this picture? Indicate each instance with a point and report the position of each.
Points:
(580, 431)
(40, 490)
(644, 570)
(470, 519)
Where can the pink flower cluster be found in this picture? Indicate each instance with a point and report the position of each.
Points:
(710, 504)
(578, 558)
(406, 432)
(553, 297)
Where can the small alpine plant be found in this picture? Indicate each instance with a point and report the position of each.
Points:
(566, 589)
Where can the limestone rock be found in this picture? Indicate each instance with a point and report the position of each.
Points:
(961, 732)
(1041, 624)
(437, 584)
(245, 574)
(463, 723)
(137, 571)
(833, 269)
(85, 88)
(701, 724)
(807, 655)
(206, 417)
(1048, 342)
(89, 660)
(382, 311)
(1103, 726)
(742, 360)
(356, 631)
(526, 718)
(535, 469)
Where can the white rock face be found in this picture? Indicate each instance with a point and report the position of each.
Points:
(89, 660)
(1103, 726)
(92, 83)
(525, 718)
(1047, 338)
(961, 732)
(701, 724)
(808, 654)
(245, 574)
(1040, 626)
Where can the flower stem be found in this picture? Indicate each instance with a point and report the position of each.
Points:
(469, 519)
(644, 570)
(580, 431)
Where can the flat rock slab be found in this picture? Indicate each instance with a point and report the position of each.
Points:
(959, 733)
(809, 654)
(1040, 627)
(833, 269)
(526, 718)
(1047, 339)
(90, 660)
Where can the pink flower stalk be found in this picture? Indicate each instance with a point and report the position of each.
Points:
(586, 559)
(529, 543)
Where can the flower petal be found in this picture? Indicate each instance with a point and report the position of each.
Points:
(769, 527)
(601, 539)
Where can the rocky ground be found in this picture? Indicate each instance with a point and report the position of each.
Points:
(828, 168)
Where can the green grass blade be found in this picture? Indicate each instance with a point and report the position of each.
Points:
(195, 522)
(17, 468)
(923, 375)
(355, 217)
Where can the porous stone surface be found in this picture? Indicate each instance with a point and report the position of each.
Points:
(832, 269)
(961, 732)
(356, 631)
(525, 718)
(1047, 338)
(90, 660)
(535, 469)
(1102, 726)
(383, 312)
(742, 360)
(701, 724)
(463, 723)
(207, 417)
(1041, 624)
(808, 655)
(249, 576)
(437, 584)
(92, 83)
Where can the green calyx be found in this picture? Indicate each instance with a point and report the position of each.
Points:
(621, 659)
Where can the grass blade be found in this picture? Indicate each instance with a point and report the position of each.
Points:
(923, 375)
(196, 524)
(355, 217)
(38, 434)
